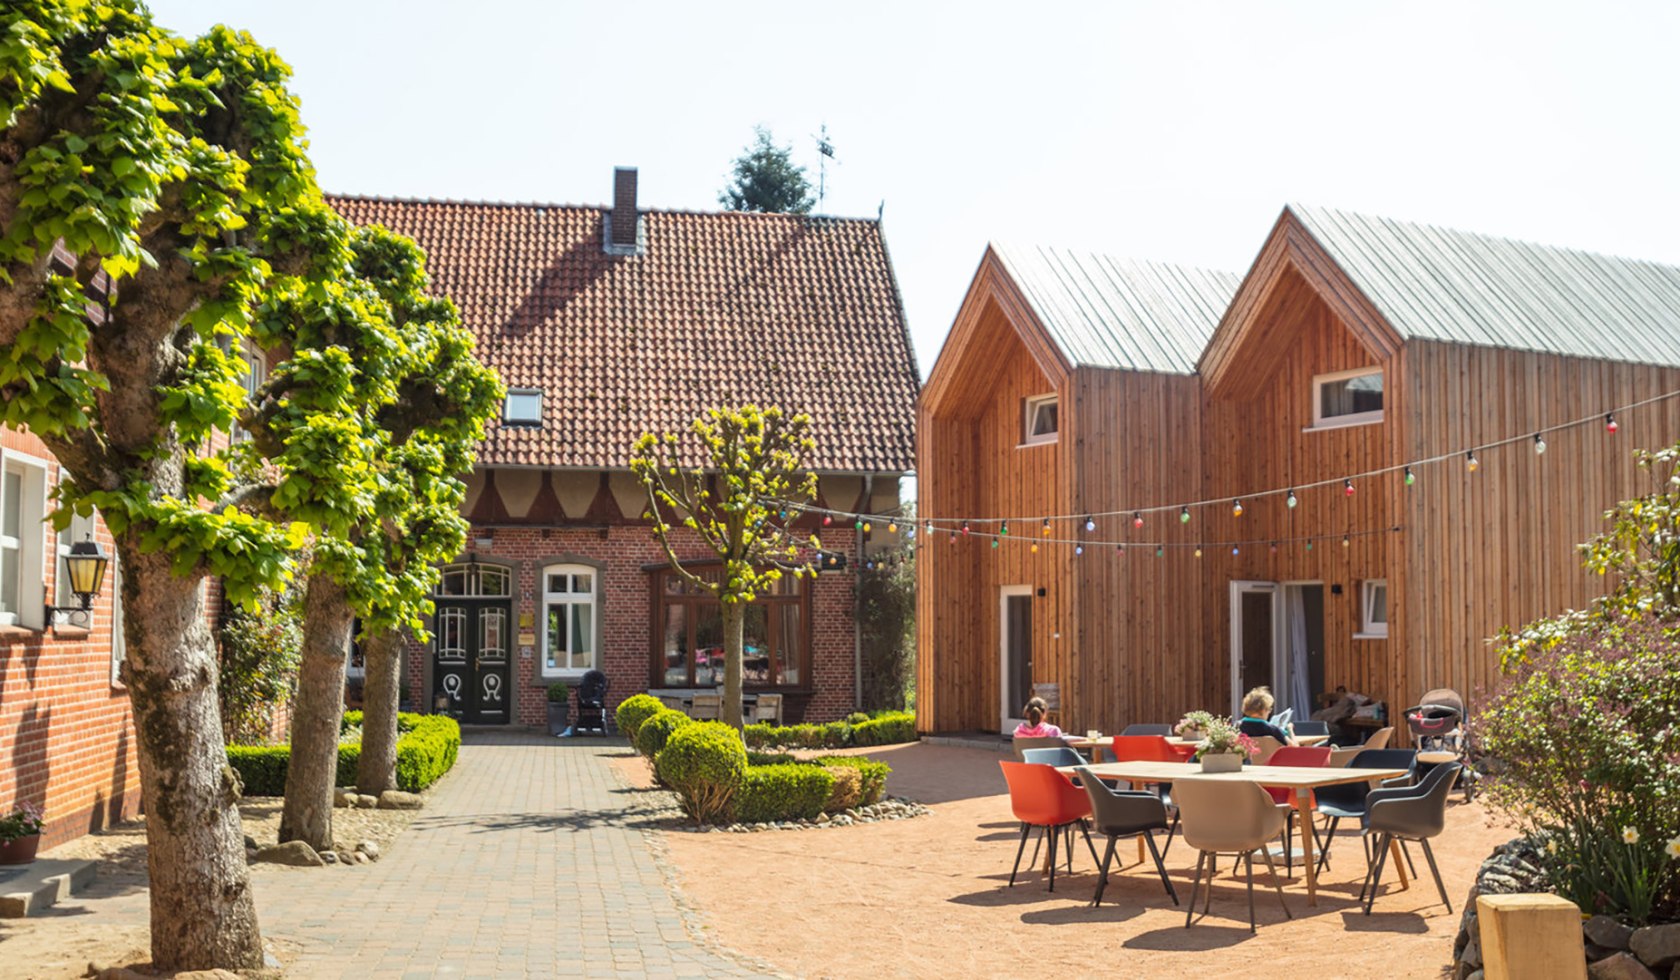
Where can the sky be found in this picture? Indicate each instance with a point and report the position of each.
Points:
(1173, 131)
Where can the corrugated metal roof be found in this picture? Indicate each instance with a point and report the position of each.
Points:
(1121, 313)
(1455, 286)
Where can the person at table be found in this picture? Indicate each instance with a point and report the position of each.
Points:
(1257, 708)
(1035, 726)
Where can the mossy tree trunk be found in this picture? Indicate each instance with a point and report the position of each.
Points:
(202, 913)
(317, 714)
(376, 770)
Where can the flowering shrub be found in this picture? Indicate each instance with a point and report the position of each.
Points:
(1220, 737)
(1194, 721)
(24, 820)
(1586, 734)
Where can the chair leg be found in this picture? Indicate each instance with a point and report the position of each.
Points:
(1322, 844)
(1250, 857)
(1288, 846)
(1102, 872)
(1085, 828)
(1171, 831)
(1376, 872)
(1429, 855)
(1067, 846)
(1273, 869)
(1025, 830)
(1190, 913)
(1054, 833)
(1408, 855)
(1038, 842)
(1149, 839)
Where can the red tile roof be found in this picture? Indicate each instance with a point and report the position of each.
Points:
(786, 310)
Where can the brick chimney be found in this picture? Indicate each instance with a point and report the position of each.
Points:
(623, 223)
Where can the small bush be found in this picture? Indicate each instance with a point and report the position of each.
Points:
(262, 768)
(784, 792)
(704, 763)
(769, 758)
(872, 775)
(634, 710)
(887, 728)
(652, 734)
(559, 693)
(857, 718)
(425, 751)
(845, 792)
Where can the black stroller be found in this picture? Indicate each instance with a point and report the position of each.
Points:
(592, 703)
(1437, 725)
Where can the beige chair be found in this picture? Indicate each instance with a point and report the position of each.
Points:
(1223, 816)
(768, 708)
(1379, 738)
(1268, 747)
(1023, 744)
(706, 707)
(1340, 758)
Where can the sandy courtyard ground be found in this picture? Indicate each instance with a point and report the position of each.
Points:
(928, 897)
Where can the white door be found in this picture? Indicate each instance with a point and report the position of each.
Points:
(1014, 654)
(1256, 639)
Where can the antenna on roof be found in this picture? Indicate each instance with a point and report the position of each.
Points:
(825, 153)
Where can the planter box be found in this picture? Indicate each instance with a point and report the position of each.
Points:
(1222, 762)
(559, 716)
(19, 851)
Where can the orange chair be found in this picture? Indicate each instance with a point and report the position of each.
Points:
(1042, 797)
(1308, 758)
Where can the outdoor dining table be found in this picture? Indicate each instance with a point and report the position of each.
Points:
(1185, 746)
(1302, 779)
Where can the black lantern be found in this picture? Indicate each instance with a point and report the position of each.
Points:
(85, 567)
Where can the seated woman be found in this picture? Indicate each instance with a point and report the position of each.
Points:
(1257, 708)
(1035, 726)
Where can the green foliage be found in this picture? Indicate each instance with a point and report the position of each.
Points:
(653, 733)
(1586, 734)
(872, 775)
(259, 654)
(782, 792)
(886, 614)
(634, 710)
(426, 750)
(262, 768)
(847, 786)
(765, 178)
(857, 717)
(886, 728)
(562, 693)
(880, 728)
(769, 758)
(703, 762)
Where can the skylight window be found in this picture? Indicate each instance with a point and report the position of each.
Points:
(523, 407)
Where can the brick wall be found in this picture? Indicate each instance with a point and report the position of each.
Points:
(625, 549)
(66, 733)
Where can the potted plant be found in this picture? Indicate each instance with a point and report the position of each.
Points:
(20, 833)
(1193, 724)
(1223, 747)
(559, 708)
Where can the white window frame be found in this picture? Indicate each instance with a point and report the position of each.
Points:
(1370, 629)
(1033, 404)
(119, 640)
(256, 372)
(507, 405)
(31, 540)
(1354, 418)
(569, 598)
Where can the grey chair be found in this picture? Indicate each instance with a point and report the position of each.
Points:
(1021, 745)
(1347, 801)
(1060, 756)
(1312, 728)
(1148, 730)
(1405, 813)
(1118, 814)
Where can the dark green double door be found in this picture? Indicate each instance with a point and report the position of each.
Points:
(471, 678)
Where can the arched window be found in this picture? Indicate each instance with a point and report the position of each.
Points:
(472, 579)
(570, 619)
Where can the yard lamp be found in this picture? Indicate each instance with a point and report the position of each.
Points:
(85, 567)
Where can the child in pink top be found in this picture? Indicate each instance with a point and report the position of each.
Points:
(1035, 726)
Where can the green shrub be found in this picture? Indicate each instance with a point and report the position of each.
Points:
(886, 728)
(785, 792)
(844, 794)
(425, 751)
(652, 734)
(769, 758)
(262, 768)
(634, 710)
(872, 775)
(703, 762)
(857, 718)
(559, 693)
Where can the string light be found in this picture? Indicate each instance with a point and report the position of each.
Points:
(1120, 549)
(1410, 479)
(1274, 547)
(867, 527)
(892, 528)
(1035, 547)
(1347, 487)
(930, 528)
(1290, 500)
(858, 526)
(1198, 551)
(1345, 541)
(1159, 551)
(1005, 528)
(1236, 550)
(1471, 463)
(1539, 445)
(994, 542)
(1236, 508)
(1137, 518)
(1184, 514)
(828, 519)
(1610, 425)
(1079, 549)
(1090, 525)
(965, 528)
(1047, 527)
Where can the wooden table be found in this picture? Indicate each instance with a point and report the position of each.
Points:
(1301, 779)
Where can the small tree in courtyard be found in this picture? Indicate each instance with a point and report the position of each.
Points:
(766, 179)
(736, 485)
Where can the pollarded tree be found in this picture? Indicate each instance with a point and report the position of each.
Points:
(766, 179)
(167, 179)
(737, 491)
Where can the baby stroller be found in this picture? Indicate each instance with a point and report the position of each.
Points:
(1437, 725)
(592, 703)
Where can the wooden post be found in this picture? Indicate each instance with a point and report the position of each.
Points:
(1530, 936)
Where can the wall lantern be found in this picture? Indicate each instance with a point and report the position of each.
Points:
(85, 566)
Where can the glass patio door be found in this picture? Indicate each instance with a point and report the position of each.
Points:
(1014, 654)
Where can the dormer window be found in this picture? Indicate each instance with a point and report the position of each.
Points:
(1041, 420)
(522, 407)
(1348, 398)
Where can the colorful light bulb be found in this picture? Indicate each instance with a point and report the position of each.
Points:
(965, 528)
(1610, 425)
(892, 527)
(1046, 529)
(867, 527)
(1035, 547)
(994, 542)
(1410, 478)
(1004, 529)
(1347, 487)
(1159, 551)
(1290, 500)
(1471, 463)
(1079, 549)
(1198, 551)
(1090, 525)
(1539, 444)
(1236, 550)
(1137, 518)
(1236, 508)
(857, 526)
(828, 519)
(1184, 514)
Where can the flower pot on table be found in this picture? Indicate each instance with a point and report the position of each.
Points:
(1222, 762)
(19, 851)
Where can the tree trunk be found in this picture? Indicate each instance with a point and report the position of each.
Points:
(376, 771)
(203, 916)
(316, 715)
(734, 619)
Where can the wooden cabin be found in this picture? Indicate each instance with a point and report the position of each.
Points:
(1098, 392)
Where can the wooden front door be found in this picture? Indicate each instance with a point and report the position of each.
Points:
(470, 670)
(1015, 675)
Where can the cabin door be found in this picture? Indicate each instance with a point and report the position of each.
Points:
(1256, 639)
(1015, 654)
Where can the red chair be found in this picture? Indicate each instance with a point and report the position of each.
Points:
(1043, 797)
(1307, 758)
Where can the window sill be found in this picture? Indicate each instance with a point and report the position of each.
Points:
(1036, 443)
(1370, 636)
(561, 676)
(1340, 424)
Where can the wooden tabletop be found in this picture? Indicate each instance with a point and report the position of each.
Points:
(1104, 740)
(1291, 777)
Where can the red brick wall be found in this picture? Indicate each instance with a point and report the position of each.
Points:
(625, 549)
(66, 734)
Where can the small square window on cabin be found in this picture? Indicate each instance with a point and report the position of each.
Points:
(1041, 420)
(1374, 608)
(523, 407)
(1348, 398)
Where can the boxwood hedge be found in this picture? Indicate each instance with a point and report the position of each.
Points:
(427, 746)
(796, 791)
(883, 728)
